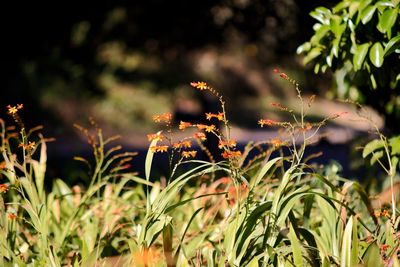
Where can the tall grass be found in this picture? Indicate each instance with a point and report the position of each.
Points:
(243, 211)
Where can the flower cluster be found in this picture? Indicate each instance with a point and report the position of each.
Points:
(29, 147)
(189, 154)
(166, 117)
(230, 154)
(182, 144)
(219, 116)
(200, 135)
(383, 213)
(267, 122)
(160, 149)
(156, 137)
(183, 125)
(230, 143)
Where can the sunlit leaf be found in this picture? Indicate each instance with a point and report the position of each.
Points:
(359, 56)
(376, 54)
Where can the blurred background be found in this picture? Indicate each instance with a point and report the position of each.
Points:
(121, 62)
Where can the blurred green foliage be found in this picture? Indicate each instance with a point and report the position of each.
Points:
(360, 41)
(59, 55)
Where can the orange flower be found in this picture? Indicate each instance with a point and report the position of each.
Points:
(276, 142)
(199, 85)
(225, 180)
(385, 213)
(232, 194)
(176, 145)
(156, 136)
(186, 144)
(166, 117)
(230, 143)
(183, 125)
(3, 188)
(188, 154)
(210, 128)
(200, 136)
(384, 247)
(268, 122)
(201, 126)
(11, 216)
(12, 110)
(3, 165)
(219, 116)
(284, 76)
(228, 154)
(147, 257)
(160, 149)
(306, 127)
(30, 146)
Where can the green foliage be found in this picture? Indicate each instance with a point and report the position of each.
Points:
(280, 211)
(360, 41)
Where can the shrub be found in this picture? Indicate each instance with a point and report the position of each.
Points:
(359, 40)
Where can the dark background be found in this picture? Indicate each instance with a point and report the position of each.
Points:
(123, 61)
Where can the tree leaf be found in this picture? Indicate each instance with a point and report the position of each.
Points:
(372, 146)
(303, 48)
(376, 54)
(367, 14)
(359, 56)
(394, 142)
(376, 156)
(387, 20)
(392, 45)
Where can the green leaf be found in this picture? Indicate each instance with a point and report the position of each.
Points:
(263, 171)
(148, 163)
(376, 156)
(364, 4)
(321, 14)
(253, 263)
(353, 8)
(394, 142)
(392, 45)
(303, 48)
(354, 245)
(320, 33)
(346, 244)
(359, 56)
(340, 6)
(384, 4)
(372, 256)
(372, 146)
(387, 20)
(296, 247)
(367, 14)
(376, 54)
(373, 82)
(315, 52)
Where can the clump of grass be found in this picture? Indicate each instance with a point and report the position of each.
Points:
(250, 209)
